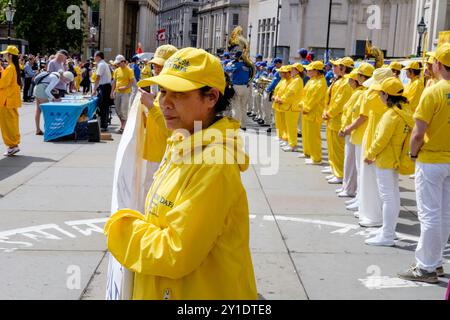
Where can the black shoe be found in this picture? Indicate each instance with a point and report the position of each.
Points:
(249, 114)
(265, 125)
(260, 121)
(269, 130)
(244, 129)
(299, 135)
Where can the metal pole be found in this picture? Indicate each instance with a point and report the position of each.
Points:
(276, 32)
(419, 46)
(9, 32)
(328, 33)
(99, 33)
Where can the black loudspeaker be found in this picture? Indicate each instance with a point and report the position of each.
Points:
(94, 130)
(360, 51)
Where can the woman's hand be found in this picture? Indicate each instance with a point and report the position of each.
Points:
(147, 99)
(369, 162)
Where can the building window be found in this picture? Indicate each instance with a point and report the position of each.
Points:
(235, 19)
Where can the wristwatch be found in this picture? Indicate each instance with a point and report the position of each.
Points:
(411, 156)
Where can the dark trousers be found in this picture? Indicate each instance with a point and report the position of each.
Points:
(26, 89)
(105, 102)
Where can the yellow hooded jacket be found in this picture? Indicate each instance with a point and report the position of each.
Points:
(156, 134)
(346, 119)
(340, 94)
(413, 92)
(278, 92)
(314, 99)
(9, 88)
(390, 135)
(292, 95)
(193, 242)
(373, 108)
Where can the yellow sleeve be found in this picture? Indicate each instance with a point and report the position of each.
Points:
(425, 110)
(292, 93)
(315, 96)
(343, 95)
(348, 108)
(191, 228)
(7, 78)
(383, 135)
(130, 74)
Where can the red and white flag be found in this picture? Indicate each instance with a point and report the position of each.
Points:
(161, 34)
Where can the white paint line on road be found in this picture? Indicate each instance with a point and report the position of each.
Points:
(384, 282)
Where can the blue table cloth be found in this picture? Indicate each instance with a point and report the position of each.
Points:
(61, 118)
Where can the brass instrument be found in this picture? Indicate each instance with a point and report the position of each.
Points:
(262, 83)
(374, 52)
(237, 39)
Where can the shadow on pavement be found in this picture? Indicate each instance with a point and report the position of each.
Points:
(12, 165)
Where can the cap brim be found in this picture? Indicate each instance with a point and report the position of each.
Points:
(431, 54)
(376, 87)
(158, 61)
(369, 83)
(335, 63)
(171, 83)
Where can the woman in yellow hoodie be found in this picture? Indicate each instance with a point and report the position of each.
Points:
(385, 151)
(313, 104)
(193, 241)
(279, 107)
(10, 101)
(289, 101)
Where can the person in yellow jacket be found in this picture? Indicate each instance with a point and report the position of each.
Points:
(385, 152)
(146, 70)
(414, 89)
(193, 241)
(339, 94)
(10, 101)
(396, 68)
(279, 107)
(372, 109)
(313, 105)
(79, 72)
(156, 132)
(349, 185)
(288, 102)
(357, 126)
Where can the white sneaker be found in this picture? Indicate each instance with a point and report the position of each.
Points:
(356, 214)
(283, 143)
(351, 201)
(302, 156)
(379, 231)
(327, 170)
(353, 207)
(335, 181)
(330, 177)
(11, 151)
(311, 162)
(344, 194)
(379, 240)
(369, 224)
(339, 190)
(288, 148)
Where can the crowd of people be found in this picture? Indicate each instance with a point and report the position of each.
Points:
(376, 129)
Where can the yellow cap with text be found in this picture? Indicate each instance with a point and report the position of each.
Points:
(189, 69)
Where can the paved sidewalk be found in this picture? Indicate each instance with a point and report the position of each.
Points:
(55, 197)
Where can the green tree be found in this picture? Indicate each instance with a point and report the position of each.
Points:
(43, 24)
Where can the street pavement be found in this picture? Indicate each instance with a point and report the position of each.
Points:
(55, 198)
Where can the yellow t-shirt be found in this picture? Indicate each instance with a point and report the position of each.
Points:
(358, 134)
(123, 77)
(413, 92)
(373, 108)
(434, 109)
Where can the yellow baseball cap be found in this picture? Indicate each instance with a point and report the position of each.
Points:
(336, 62)
(442, 54)
(287, 68)
(315, 65)
(189, 69)
(348, 62)
(366, 69)
(392, 86)
(353, 75)
(163, 53)
(298, 66)
(395, 65)
(413, 65)
(11, 50)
